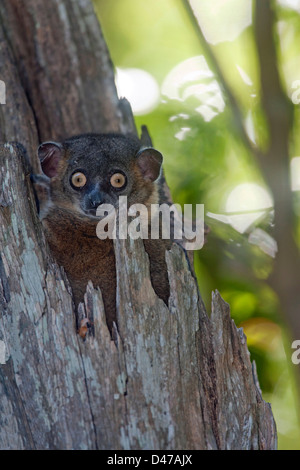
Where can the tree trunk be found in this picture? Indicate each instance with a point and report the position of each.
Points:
(172, 378)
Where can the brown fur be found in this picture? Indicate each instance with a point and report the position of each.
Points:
(84, 257)
(72, 234)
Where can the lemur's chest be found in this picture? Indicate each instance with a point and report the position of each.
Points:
(77, 248)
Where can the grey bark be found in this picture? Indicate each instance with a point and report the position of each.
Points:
(172, 378)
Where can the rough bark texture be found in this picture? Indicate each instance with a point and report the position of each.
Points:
(172, 378)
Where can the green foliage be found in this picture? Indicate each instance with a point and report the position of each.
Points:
(205, 159)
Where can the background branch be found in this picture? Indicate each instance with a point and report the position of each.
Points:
(279, 116)
(274, 162)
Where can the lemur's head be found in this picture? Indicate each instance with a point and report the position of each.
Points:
(88, 170)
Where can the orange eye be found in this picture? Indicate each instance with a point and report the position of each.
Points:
(117, 180)
(78, 180)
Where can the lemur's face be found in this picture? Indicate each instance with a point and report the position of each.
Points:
(90, 170)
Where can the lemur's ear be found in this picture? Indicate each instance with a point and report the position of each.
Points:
(50, 154)
(149, 162)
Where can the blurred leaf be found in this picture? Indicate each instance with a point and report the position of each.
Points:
(263, 334)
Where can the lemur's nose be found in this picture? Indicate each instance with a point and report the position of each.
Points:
(96, 198)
